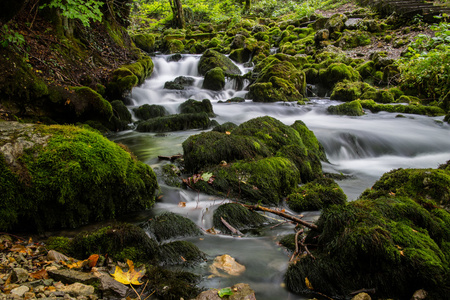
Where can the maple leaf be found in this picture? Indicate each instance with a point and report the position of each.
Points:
(130, 277)
(308, 284)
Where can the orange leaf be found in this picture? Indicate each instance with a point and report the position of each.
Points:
(227, 132)
(41, 274)
(182, 204)
(92, 260)
(19, 249)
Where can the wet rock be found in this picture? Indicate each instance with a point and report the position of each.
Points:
(72, 276)
(212, 59)
(20, 291)
(169, 225)
(170, 85)
(184, 81)
(19, 275)
(352, 108)
(362, 296)
(225, 266)
(238, 42)
(241, 291)
(321, 35)
(419, 295)
(176, 123)
(191, 106)
(214, 79)
(175, 57)
(147, 111)
(180, 253)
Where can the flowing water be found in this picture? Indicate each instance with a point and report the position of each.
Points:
(363, 147)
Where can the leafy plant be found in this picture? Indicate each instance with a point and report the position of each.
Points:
(10, 37)
(83, 10)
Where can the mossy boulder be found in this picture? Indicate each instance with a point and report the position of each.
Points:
(214, 79)
(350, 91)
(179, 83)
(238, 217)
(227, 126)
(121, 116)
(310, 140)
(352, 108)
(354, 38)
(169, 226)
(278, 81)
(212, 59)
(240, 55)
(86, 104)
(120, 242)
(337, 72)
(175, 123)
(147, 111)
(180, 253)
(128, 76)
(316, 195)
(170, 174)
(405, 237)
(145, 42)
(192, 106)
(65, 176)
(336, 22)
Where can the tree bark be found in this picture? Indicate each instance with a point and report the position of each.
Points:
(178, 16)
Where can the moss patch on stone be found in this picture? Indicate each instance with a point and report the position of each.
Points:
(169, 226)
(175, 123)
(212, 59)
(352, 108)
(238, 217)
(407, 109)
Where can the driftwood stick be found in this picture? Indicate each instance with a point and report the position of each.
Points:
(281, 214)
(296, 244)
(231, 228)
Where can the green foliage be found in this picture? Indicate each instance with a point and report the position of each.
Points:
(83, 10)
(426, 69)
(10, 37)
(225, 292)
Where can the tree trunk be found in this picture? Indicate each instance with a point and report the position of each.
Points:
(247, 5)
(178, 16)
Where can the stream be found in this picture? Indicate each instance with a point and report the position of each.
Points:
(363, 147)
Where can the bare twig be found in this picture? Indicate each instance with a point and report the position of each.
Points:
(231, 228)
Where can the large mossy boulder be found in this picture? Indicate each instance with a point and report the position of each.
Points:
(243, 160)
(238, 217)
(65, 176)
(404, 109)
(170, 226)
(394, 239)
(175, 123)
(121, 116)
(214, 79)
(278, 80)
(145, 42)
(316, 195)
(349, 91)
(212, 59)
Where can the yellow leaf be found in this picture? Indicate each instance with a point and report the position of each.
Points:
(75, 265)
(308, 284)
(130, 277)
(182, 204)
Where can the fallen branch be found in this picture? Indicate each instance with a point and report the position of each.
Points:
(171, 158)
(281, 214)
(296, 244)
(231, 228)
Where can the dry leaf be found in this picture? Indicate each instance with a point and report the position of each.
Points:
(130, 277)
(308, 284)
(19, 249)
(227, 132)
(92, 260)
(41, 274)
(182, 204)
(76, 265)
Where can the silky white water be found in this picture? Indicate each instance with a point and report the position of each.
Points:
(363, 147)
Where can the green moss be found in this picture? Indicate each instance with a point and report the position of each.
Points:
(121, 117)
(171, 175)
(90, 105)
(240, 55)
(192, 106)
(174, 46)
(353, 39)
(59, 243)
(120, 242)
(409, 109)
(180, 253)
(337, 72)
(238, 217)
(316, 195)
(227, 126)
(309, 140)
(169, 226)
(12, 191)
(212, 59)
(288, 241)
(210, 148)
(214, 79)
(77, 177)
(349, 91)
(175, 123)
(147, 111)
(145, 42)
(352, 108)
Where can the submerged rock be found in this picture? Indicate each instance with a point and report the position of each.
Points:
(225, 266)
(180, 253)
(169, 225)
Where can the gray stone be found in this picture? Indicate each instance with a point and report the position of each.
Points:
(78, 289)
(72, 276)
(419, 295)
(352, 23)
(110, 287)
(20, 291)
(56, 256)
(19, 275)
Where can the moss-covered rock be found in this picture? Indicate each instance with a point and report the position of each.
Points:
(278, 81)
(65, 176)
(385, 230)
(174, 46)
(288, 241)
(212, 59)
(129, 76)
(350, 91)
(238, 217)
(214, 79)
(227, 126)
(192, 106)
(175, 123)
(337, 72)
(353, 39)
(352, 108)
(121, 117)
(336, 22)
(120, 242)
(310, 140)
(147, 111)
(171, 175)
(180, 253)
(408, 109)
(316, 195)
(145, 42)
(240, 55)
(169, 226)
(90, 105)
